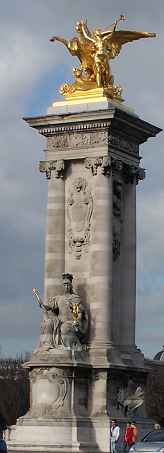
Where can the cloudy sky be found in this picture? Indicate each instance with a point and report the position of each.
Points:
(31, 70)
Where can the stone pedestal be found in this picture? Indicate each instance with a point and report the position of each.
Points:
(92, 166)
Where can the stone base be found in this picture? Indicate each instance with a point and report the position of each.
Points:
(87, 105)
(70, 400)
(65, 435)
(67, 407)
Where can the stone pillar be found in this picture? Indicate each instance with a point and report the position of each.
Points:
(128, 264)
(55, 232)
(128, 257)
(100, 273)
(70, 388)
(117, 221)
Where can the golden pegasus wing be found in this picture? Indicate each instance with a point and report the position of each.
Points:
(118, 38)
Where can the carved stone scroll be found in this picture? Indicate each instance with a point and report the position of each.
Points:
(57, 166)
(101, 163)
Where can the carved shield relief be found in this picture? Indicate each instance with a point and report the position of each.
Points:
(80, 208)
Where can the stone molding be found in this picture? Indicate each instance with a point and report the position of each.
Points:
(76, 127)
(57, 166)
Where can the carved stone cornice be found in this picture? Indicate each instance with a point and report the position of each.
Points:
(118, 122)
(101, 163)
(57, 166)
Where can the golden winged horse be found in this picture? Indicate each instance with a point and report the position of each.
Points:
(95, 49)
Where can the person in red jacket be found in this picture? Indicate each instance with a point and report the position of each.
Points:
(135, 432)
(128, 437)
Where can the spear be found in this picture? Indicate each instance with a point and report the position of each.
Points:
(35, 293)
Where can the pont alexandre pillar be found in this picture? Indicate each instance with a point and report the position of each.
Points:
(91, 233)
(101, 255)
(55, 230)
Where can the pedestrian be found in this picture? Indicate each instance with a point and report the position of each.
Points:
(128, 437)
(115, 434)
(135, 432)
(157, 426)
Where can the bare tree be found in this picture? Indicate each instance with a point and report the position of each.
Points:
(154, 397)
(14, 391)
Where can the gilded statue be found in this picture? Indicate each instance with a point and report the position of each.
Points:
(95, 49)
